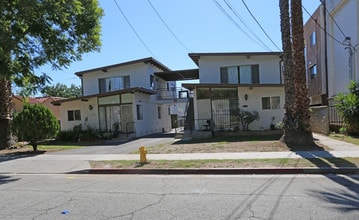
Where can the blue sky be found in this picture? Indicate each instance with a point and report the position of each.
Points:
(199, 26)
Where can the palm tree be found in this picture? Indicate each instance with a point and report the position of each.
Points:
(297, 130)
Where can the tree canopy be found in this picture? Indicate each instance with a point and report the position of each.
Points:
(34, 33)
(62, 90)
(38, 32)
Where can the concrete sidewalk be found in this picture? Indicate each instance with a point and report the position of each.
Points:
(49, 163)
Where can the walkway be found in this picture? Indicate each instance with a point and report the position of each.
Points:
(61, 163)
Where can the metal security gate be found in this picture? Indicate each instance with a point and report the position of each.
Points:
(335, 121)
(222, 114)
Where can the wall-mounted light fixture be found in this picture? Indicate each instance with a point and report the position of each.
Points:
(246, 97)
(90, 107)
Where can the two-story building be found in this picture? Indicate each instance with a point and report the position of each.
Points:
(227, 81)
(140, 97)
(126, 98)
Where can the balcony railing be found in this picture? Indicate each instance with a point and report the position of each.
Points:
(173, 93)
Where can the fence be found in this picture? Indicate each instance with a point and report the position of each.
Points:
(335, 121)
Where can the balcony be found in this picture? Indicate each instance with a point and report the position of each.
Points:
(174, 93)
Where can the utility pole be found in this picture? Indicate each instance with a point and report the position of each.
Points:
(351, 50)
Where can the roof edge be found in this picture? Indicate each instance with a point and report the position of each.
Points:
(196, 56)
(146, 60)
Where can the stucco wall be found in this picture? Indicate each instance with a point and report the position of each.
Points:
(150, 123)
(345, 14)
(269, 71)
(88, 117)
(202, 109)
(319, 120)
(139, 76)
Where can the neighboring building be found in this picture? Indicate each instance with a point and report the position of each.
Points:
(126, 98)
(227, 81)
(46, 101)
(315, 58)
(331, 38)
(342, 20)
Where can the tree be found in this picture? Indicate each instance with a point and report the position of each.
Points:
(61, 90)
(348, 107)
(245, 117)
(34, 33)
(35, 124)
(296, 121)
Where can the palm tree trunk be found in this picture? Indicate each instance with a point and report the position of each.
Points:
(6, 106)
(296, 121)
(301, 106)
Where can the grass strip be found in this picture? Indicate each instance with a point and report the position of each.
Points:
(243, 163)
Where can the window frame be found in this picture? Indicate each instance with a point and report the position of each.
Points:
(254, 74)
(313, 71)
(74, 115)
(139, 112)
(159, 112)
(313, 39)
(108, 84)
(271, 103)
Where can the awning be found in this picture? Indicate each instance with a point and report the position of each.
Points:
(179, 75)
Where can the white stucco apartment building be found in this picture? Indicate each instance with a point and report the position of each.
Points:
(248, 81)
(140, 97)
(121, 97)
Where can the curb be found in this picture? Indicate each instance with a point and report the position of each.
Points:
(244, 171)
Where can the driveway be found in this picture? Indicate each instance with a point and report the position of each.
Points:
(121, 148)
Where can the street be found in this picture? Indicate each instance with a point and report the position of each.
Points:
(67, 196)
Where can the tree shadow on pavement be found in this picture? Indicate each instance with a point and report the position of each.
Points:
(7, 179)
(19, 155)
(344, 200)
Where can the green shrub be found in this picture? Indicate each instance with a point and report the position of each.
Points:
(77, 133)
(34, 124)
(245, 117)
(348, 107)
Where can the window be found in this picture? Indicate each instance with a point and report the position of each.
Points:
(249, 74)
(271, 102)
(313, 39)
(114, 83)
(313, 71)
(74, 115)
(245, 74)
(159, 112)
(152, 82)
(139, 112)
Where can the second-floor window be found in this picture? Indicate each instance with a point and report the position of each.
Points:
(245, 74)
(313, 71)
(114, 83)
(313, 39)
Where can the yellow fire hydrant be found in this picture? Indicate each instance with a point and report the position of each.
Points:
(143, 153)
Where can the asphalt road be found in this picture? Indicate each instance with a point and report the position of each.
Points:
(121, 148)
(179, 197)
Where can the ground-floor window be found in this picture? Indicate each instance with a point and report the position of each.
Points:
(74, 115)
(115, 118)
(139, 111)
(271, 102)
